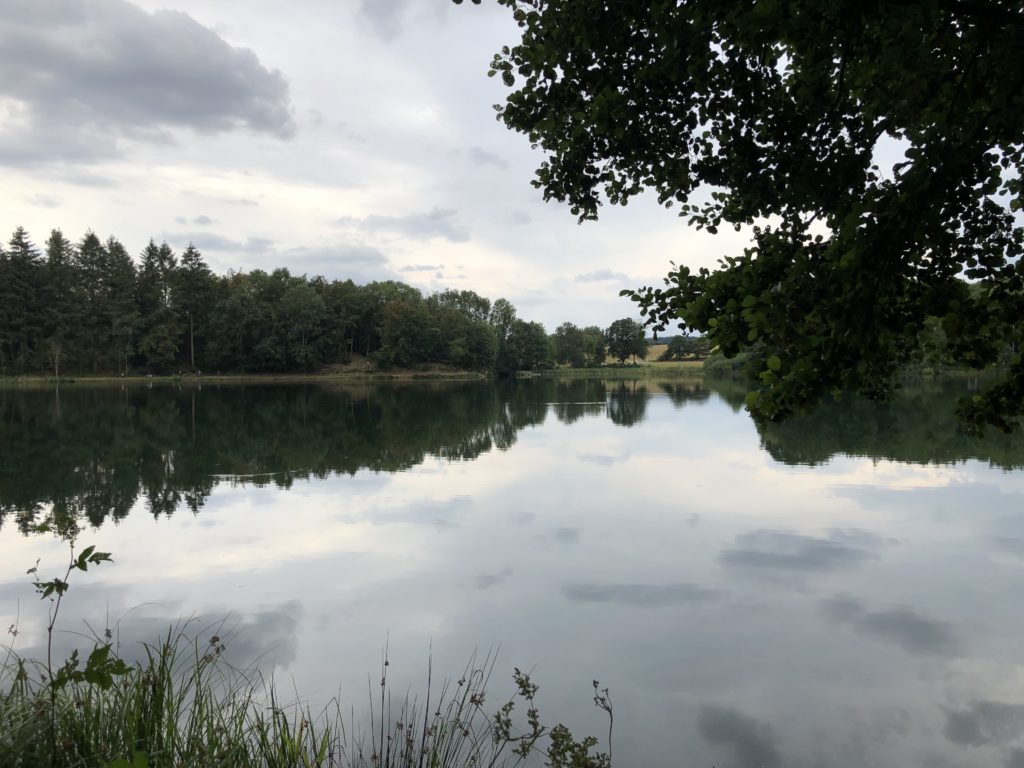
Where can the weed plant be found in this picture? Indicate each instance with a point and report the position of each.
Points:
(183, 706)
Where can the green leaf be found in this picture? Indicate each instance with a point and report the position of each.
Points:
(83, 557)
(774, 362)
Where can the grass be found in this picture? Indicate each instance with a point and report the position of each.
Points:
(242, 378)
(182, 705)
(644, 370)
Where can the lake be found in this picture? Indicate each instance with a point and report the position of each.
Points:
(841, 590)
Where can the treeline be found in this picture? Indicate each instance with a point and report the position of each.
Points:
(88, 307)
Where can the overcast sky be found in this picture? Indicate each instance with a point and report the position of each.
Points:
(346, 138)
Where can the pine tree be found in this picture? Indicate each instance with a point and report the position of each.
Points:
(196, 285)
(93, 339)
(20, 322)
(61, 299)
(158, 342)
(122, 304)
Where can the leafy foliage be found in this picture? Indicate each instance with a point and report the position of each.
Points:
(625, 338)
(686, 347)
(738, 114)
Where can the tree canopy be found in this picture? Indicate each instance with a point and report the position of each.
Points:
(873, 148)
(87, 307)
(625, 337)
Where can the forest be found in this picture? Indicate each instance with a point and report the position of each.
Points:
(89, 308)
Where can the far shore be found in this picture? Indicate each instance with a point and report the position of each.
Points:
(610, 371)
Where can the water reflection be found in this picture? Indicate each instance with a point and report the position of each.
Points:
(900, 625)
(91, 453)
(835, 611)
(919, 426)
(752, 742)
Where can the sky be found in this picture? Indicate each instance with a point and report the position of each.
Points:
(344, 138)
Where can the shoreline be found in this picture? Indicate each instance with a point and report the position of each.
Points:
(244, 378)
(642, 371)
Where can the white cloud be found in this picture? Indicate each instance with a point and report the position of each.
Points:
(83, 77)
(134, 113)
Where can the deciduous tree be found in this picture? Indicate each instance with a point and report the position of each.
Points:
(625, 338)
(874, 150)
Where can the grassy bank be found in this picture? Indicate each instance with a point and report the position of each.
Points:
(644, 370)
(183, 706)
(246, 378)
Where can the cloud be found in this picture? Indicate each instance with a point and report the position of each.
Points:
(1016, 759)
(442, 514)
(421, 268)
(900, 626)
(785, 551)
(83, 76)
(645, 595)
(202, 220)
(601, 459)
(360, 263)
(343, 261)
(438, 222)
(601, 276)
(568, 535)
(480, 156)
(752, 742)
(488, 580)
(210, 241)
(44, 201)
(384, 16)
(268, 636)
(985, 722)
(63, 174)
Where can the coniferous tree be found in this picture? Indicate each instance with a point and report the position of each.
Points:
(122, 302)
(20, 284)
(92, 339)
(61, 299)
(158, 342)
(196, 286)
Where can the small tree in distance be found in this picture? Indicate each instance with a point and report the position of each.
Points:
(625, 337)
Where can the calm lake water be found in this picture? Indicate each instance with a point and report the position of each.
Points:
(843, 590)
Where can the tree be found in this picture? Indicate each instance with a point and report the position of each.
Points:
(122, 301)
(527, 347)
(595, 348)
(408, 335)
(502, 315)
(626, 337)
(60, 302)
(469, 303)
(882, 142)
(93, 341)
(160, 328)
(303, 311)
(195, 283)
(568, 345)
(502, 319)
(20, 322)
(682, 347)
